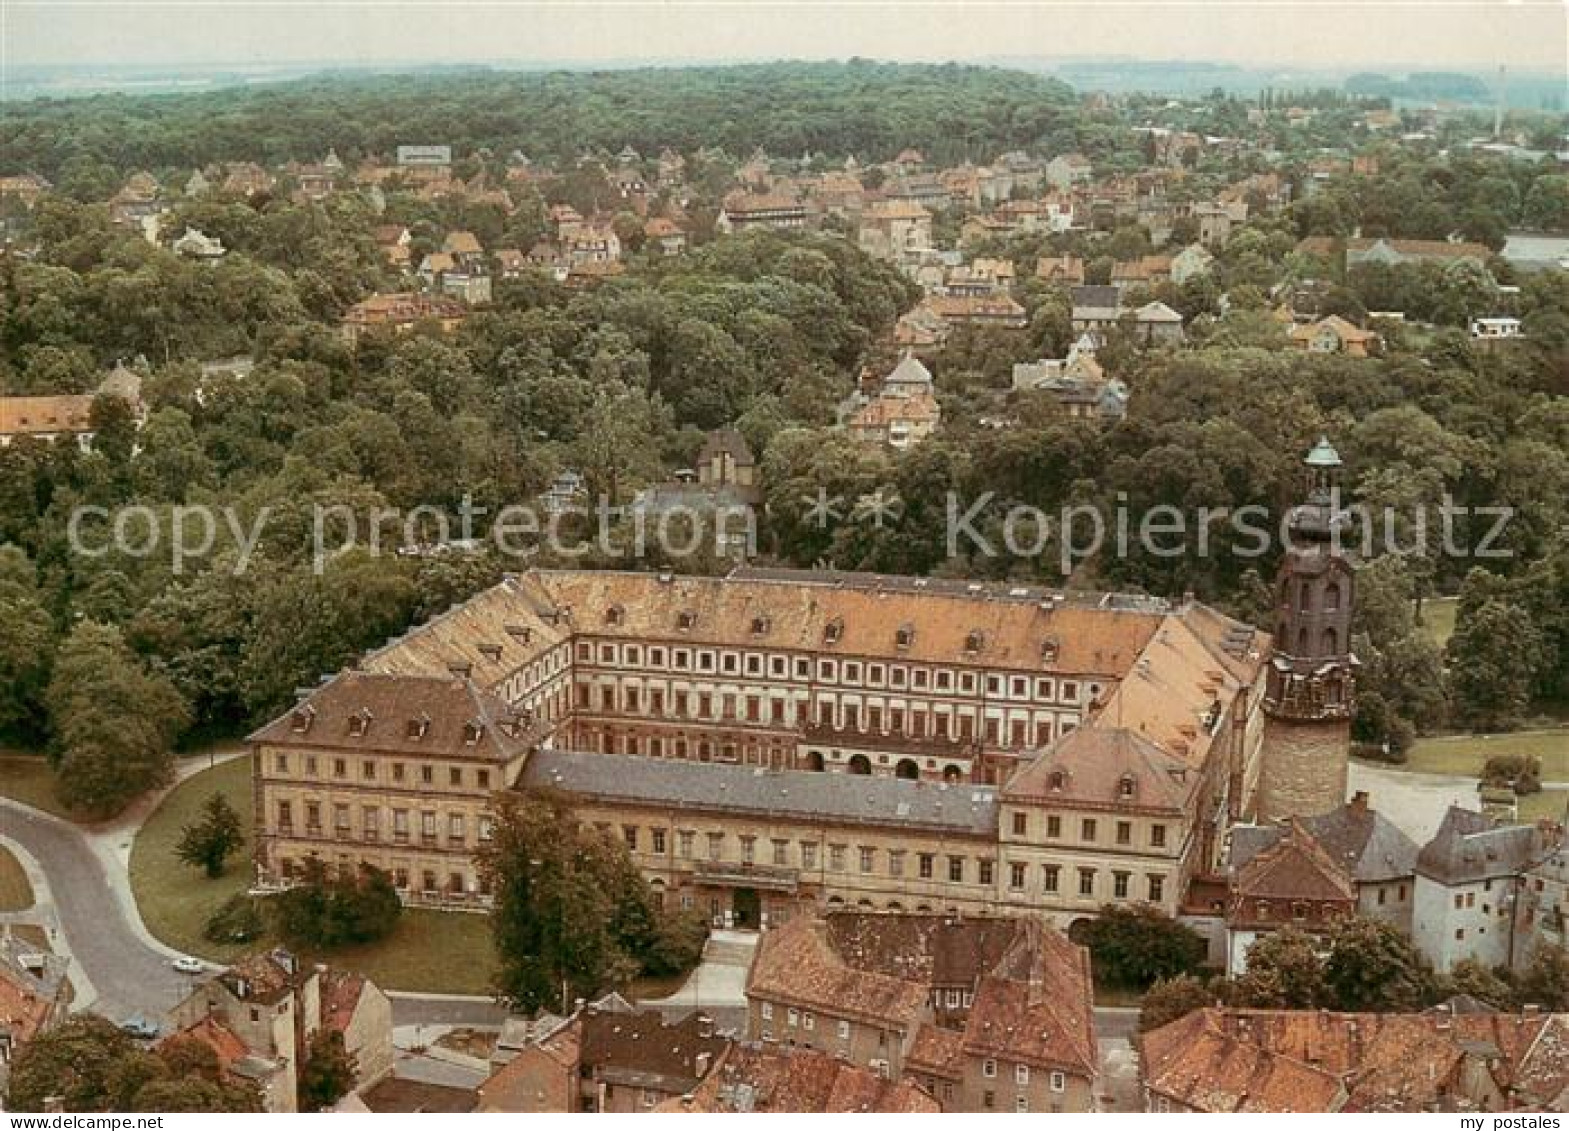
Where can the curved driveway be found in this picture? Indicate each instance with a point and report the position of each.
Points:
(130, 974)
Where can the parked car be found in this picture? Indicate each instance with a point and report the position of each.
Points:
(140, 1027)
(185, 964)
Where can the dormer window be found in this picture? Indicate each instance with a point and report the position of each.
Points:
(1125, 786)
(905, 637)
(521, 631)
(833, 631)
(491, 652)
(685, 620)
(302, 718)
(615, 615)
(760, 626)
(1049, 650)
(473, 730)
(419, 727)
(1057, 781)
(359, 722)
(975, 641)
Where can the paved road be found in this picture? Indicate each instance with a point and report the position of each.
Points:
(129, 975)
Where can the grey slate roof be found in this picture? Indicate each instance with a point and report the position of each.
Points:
(1364, 842)
(1468, 847)
(706, 786)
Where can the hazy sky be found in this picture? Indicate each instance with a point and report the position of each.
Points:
(1308, 33)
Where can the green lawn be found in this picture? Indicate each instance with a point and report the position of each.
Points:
(1548, 803)
(432, 951)
(1438, 618)
(1466, 754)
(29, 779)
(16, 894)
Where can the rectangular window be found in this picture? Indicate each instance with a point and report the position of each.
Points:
(684, 839)
(716, 844)
(956, 869)
(808, 854)
(1021, 1075)
(1124, 832)
(1157, 888)
(836, 857)
(1016, 877)
(781, 853)
(629, 834)
(1050, 877)
(1119, 885)
(1086, 881)
(925, 864)
(1019, 824)
(989, 1069)
(1157, 836)
(1053, 826)
(1059, 1082)
(986, 872)
(658, 837)
(1087, 829)
(868, 858)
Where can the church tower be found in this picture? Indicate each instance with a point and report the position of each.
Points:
(1310, 681)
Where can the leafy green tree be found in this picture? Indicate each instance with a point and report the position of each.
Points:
(1371, 967)
(76, 1061)
(1284, 971)
(208, 843)
(327, 1074)
(1545, 980)
(1493, 657)
(114, 723)
(27, 638)
(337, 909)
(1134, 947)
(1171, 999)
(572, 914)
(1471, 978)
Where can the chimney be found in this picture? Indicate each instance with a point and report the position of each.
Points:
(1359, 801)
(705, 1025)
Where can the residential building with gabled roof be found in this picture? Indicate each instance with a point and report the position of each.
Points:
(754, 1078)
(1255, 1060)
(1468, 884)
(1292, 883)
(986, 1015)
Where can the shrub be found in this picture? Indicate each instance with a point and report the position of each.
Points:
(329, 911)
(237, 920)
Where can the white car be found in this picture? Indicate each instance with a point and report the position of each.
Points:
(185, 964)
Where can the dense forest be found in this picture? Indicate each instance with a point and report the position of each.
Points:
(763, 331)
(871, 109)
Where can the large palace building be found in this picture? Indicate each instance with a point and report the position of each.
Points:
(776, 737)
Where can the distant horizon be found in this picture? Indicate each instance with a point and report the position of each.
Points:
(1313, 36)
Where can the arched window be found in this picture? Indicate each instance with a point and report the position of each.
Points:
(1332, 597)
(1305, 597)
(1302, 641)
(1331, 642)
